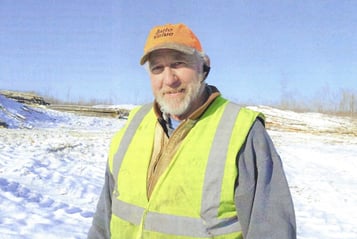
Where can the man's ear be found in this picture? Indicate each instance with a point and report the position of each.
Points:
(206, 70)
(206, 66)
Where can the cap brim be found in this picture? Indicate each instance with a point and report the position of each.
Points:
(172, 46)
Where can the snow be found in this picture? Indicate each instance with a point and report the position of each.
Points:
(52, 170)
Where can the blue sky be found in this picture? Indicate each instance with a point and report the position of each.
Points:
(261, 51)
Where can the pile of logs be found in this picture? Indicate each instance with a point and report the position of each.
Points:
(24, 97)
(33, 99)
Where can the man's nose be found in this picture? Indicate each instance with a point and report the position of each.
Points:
(170, 77)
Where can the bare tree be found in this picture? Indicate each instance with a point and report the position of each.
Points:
(348, 102)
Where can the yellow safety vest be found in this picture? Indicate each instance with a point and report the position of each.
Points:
(194, 198)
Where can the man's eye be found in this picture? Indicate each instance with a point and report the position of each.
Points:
(178, 64)
(157, 69)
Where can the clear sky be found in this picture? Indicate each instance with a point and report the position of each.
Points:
(260, 51)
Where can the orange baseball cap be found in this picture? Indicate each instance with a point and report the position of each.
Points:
(171, 36)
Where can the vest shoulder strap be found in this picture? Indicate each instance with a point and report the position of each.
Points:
(127, 137)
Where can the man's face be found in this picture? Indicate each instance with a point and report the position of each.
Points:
(176, 81)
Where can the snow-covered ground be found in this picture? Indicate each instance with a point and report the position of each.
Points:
(52, 169)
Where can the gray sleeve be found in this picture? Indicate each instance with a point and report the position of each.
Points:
(262, 196)
(100, 227)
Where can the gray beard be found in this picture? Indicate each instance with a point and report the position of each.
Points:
(182, 107)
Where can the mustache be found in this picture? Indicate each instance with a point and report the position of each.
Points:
(173, 91)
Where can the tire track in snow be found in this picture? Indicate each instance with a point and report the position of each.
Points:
(26, 195)
(41, 171)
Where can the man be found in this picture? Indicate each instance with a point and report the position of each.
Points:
(192, 164)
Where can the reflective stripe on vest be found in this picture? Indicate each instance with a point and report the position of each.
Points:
(193, 227)
(128, 135)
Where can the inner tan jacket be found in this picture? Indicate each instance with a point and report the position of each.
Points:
(165, 145)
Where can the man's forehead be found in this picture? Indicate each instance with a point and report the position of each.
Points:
(172, 54)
